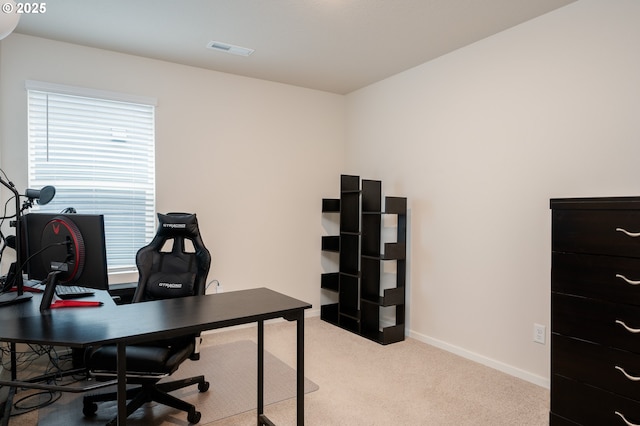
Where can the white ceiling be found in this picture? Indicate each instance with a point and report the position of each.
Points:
(331, 45)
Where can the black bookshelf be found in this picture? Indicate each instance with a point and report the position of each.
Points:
(356, 286)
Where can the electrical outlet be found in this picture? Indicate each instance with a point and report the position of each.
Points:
(539, 333)
(219, 288)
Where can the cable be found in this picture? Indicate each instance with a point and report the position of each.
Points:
(53, 397)
(6, 204)
(4, 215)
(8, 285)
(211, 282)
(55, 366)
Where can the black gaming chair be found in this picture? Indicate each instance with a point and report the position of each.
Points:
(158, 265)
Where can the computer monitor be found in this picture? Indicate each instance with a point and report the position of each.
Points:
(65, 249)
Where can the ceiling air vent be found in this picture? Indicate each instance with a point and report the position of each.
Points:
(229, 48)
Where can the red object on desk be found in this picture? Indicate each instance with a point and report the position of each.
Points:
(73, 304)
(29, 288)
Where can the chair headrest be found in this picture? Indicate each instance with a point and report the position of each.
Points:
(177, 224)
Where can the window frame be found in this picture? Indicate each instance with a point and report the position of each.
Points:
(147, 147)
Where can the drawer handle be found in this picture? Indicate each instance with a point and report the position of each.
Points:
(627, 375)
(627, 280)
(625, 420)
(629, 329)
(631, 234)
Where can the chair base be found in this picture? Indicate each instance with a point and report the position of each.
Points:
(147, 392)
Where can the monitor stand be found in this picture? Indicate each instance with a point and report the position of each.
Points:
(17, 294)
(13, 297)
(49, 290)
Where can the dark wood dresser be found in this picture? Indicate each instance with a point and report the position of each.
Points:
(595, 311)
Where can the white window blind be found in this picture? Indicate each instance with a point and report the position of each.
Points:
(98, 152)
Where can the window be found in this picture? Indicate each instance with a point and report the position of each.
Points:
(97, 150)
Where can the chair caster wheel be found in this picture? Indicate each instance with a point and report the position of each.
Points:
(89, 409)
(203, 387)
(194, 416)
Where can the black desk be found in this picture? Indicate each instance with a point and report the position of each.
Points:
(140, 322)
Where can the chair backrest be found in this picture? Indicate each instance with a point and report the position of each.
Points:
(167, 266)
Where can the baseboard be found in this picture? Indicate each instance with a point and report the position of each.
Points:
(310, 313)
(492, 363)
(481, 359)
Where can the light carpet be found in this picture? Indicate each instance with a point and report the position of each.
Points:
(230, 368)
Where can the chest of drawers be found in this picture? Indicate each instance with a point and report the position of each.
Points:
(595, 311)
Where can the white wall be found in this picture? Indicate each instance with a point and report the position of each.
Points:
(252, 158)
(479, 141)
